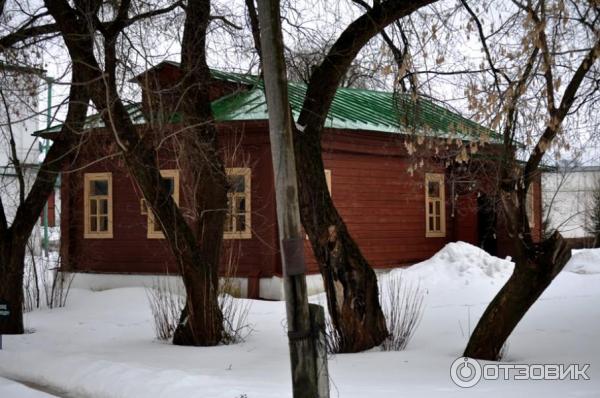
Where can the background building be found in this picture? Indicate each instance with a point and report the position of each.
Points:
(568, 200)
(20, 117)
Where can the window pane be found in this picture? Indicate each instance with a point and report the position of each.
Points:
(237, 183)
(102, 223)
(434, 189)
(93, 207)
(437, 224)
(240, 205)
(99, 187)
(93, 224)
(103, 204)
(169, 184)
(241, 223)
(437, 208)
(431, 223)
(430, 207)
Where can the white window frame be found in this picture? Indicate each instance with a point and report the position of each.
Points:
(88, 233)
(440, 179)
(328, 180)
(247, 232)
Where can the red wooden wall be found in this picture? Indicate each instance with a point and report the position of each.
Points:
(382, 204)
(130, 251)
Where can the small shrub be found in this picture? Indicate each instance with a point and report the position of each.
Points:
(166, 306)
(43, 275)
(402, 305)
(235, 316)
(235, 311)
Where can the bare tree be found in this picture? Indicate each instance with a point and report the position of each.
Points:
(21, 38)
(350, 283)
(196, 250)
(532, 94)
(15, 236)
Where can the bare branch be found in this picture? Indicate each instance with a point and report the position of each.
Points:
(557, 118)
(120, 22)
(483, 39)
(26, 33)
(327, 76)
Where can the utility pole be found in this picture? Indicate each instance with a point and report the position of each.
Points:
(305, 323)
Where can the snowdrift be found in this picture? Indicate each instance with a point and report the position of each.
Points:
(584, 261)
(460, 263)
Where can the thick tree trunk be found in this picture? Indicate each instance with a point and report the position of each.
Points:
(536, 265)
(201, 157)
(13, 239)
(201, 324)
(12, 258)
(202, 311)
(201, 321)
(350, 283)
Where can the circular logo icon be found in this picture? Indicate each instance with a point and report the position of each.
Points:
(465, 372)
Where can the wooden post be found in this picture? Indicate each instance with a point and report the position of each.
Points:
(302, 333)
(317, 319)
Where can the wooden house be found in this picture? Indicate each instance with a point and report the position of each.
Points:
(400, 207)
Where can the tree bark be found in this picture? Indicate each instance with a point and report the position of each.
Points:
(12, 256)
(202, 158)
(13, 239)
(201, 321)
(350, 282)
(536, 265)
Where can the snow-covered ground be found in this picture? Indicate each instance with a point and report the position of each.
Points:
(102, 343)
(11, 389)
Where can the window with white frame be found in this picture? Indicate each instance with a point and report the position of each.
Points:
(238, 220)
(435, 208)
(98, 214)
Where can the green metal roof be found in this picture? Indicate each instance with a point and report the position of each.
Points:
(358, 109)
(353, 109)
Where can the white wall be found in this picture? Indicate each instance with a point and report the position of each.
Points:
(568, 196)
(20, 91)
